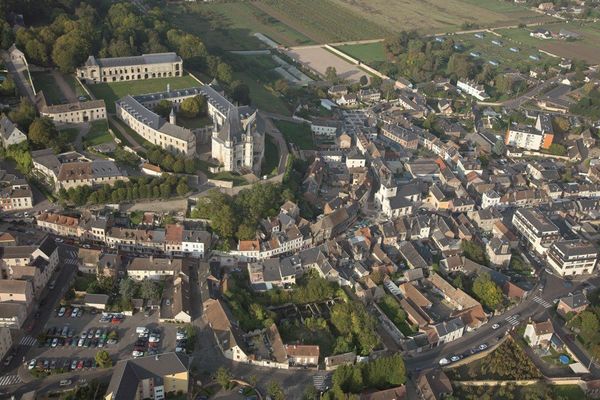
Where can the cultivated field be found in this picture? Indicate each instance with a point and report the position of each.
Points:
(231, 26)
(111, 92)
(318, 59)
(585, 48)
(429, 16)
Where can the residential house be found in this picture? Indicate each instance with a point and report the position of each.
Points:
(433, 385)
(573, 303)
(573, 257)
(96, 301)
(10, 134)
(498, 252)
(302, 355)
(228, 335)
(395, 393)
(539, 334)
(150, 377)
(153, 268)
(273, 272)
(332, 362)
(176, 304)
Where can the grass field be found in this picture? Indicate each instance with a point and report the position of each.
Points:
(584, 48)
(45, 82)
(369, 53)
(299, 134)
(271, 161)
(98, 133)
(231, 26)
(111, 92)
(429, 16)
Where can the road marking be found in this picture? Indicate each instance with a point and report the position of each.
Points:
(512, 320)
(28, 341)
(9, 380)
(542, 302)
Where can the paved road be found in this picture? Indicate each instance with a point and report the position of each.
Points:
(132, 142)
(19, 73)
(277, 136)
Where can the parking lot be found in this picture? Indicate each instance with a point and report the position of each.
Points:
(72, 342)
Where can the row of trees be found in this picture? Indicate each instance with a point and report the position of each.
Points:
(381, 373)
(167, 161)
(142, 187)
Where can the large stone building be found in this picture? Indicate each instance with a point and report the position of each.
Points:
(146, 66)
(81, 111)
(156, 129)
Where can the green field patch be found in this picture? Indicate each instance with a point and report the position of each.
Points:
(98, 133)
(271, 161)
(193, 123)
(299, 134)
(369, 53)
(111, 92)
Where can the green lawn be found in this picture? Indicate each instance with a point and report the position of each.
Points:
(299, 134)
(231, 25)
(368, 53)
(111, 92)
(229, 176)
(75, 85)
(271, 161)
(193, 123)
(44, 81)
(261, 97)
(98, 133)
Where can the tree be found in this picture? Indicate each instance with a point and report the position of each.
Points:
(190, 108)
(364, 81)
(275, 391)
(69, 51)
(499, 148)
(103, 359)
(473, 251)
(487, 291)
(42, 132)
(149, 290)
(240, 93)
(224, 73)
(557, 149)
(163, 108)
(223, 377)
(127, 288)
(588, 325)
(331, 74)
(24, 114)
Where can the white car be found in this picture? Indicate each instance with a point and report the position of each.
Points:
(482, 346)
(62, 311)
(455, 358)
(65, 382)
(495, 326)
(58, 240)
(74, 312)
(181, 335)
(137, 353)
(32, 364)
(154, 338)
(54, 342)
(444, 361)
(81, 342)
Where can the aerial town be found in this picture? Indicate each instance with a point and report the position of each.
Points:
(374, 200)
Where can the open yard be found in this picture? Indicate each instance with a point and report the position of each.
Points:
(583, 48)
(111, 92)
(299, 134)
(44, 81)
(231, 26)
(271, 161)
(318, 59)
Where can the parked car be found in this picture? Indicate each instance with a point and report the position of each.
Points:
(54, 342)
(180, 335)
(455, 358)
(74, 364)
(80, 364)
(53, 364)
(495, 326)
(444, 361)
(65, 382)
(74, 312)
(483, 346)
(98, 333)
(32, 364)
(61, 312)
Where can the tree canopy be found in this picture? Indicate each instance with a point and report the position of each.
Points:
(487, 291)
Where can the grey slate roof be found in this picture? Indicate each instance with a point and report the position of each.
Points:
(155, 58)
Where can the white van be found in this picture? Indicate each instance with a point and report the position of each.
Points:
(142, 330)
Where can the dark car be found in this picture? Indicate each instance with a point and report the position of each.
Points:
(88, 363)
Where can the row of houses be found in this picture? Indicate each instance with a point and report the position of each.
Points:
(174, 239)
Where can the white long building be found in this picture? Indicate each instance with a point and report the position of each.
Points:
(117, 69)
